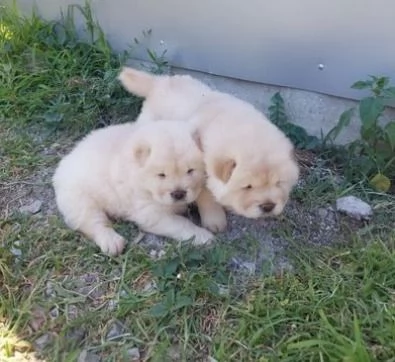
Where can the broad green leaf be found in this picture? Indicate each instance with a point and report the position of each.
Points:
(159, 310)
(370, 109)
(171, 267)
(195, 255)
(389, 92)
(343, 122)
(390, 132)
(170, 297)
(277, 112)
(382, 82)
(183, 301)
(212, 287)
(380, 183)
(361, 84)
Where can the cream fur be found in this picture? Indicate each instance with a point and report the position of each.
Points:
(249, 162)
(130, 171)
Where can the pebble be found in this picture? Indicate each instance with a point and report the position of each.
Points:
(16, 252)
(43, 341)
(86, 356)
(112, 304)
(50, 289)
(77, 335)
(32, 208)
(245, 266)
(134, 354)
(115, 330)
(149, 287)
(354, 207)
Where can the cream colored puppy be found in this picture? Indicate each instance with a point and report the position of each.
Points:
(144, 173)
(249, 162)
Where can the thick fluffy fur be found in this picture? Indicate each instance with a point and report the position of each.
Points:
(144, 173)
(249, 162)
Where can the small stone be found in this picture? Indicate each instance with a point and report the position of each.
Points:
(354, 207)
(211, 359)
(115, 330)
(161, 254)
(72, 312)
(32, 208)
(43, 341)
(245, 266)
(133, 354)
(149, 287)
(16, 252)
(77, 335)
(153, 254)
(50, 290)
(54, 313)
(322, 213)
(249, 267)
(112, 304)
(223, 290)
(86, 356)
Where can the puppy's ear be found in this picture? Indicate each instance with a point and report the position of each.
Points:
(141, 153)
(223, 169)
(197, 140)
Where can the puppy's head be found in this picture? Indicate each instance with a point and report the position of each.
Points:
(253, 188)
(170, 162)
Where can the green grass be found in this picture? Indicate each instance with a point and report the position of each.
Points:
(52, 77)
(338, 304)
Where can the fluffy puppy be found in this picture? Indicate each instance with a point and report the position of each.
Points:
(144, 173)
(249, 162)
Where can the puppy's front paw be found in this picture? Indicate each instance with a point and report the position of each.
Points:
(214, 219)
(202, 237)
(112, 245)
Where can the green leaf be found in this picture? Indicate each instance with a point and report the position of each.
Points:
(389, 92)
(370, 109)
(159, 310)
(170, 268)
(382, 82)
(343, 122)
(277, 112)
(183, 301)
(213, 288)
(380, 183)
(195, 255)
(389, 129)
(362, 84)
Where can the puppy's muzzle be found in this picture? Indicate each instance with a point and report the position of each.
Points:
(178, 195)
(267, 207)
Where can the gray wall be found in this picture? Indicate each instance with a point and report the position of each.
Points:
(279, 42)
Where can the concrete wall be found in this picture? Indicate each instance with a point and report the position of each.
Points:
(321, 46)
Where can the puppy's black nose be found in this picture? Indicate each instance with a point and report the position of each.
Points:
(267, 207)
(178, 195)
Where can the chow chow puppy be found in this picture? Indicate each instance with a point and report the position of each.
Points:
(250, 163)
(144, 173)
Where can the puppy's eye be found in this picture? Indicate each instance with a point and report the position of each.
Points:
(161, 175)
(190, 171)
(248, 187)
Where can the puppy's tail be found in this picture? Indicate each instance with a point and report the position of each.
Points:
(136, 81)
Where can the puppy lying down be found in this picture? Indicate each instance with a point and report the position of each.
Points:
(249, 162)
(144, 173)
